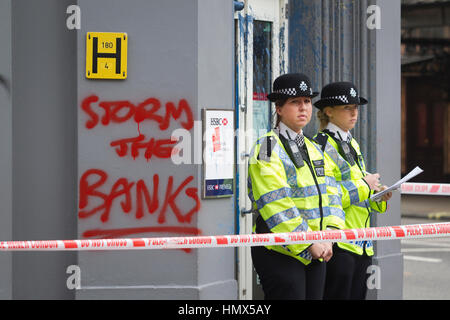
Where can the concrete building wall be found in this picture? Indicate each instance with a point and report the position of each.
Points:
(179, 52)
(388, 140)
(43, 101)
(5, 146)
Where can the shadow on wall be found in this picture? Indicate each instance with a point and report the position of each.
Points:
(4, 83)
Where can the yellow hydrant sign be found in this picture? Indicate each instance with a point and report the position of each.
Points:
(106, 55)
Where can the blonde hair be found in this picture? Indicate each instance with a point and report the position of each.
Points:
(323, 118)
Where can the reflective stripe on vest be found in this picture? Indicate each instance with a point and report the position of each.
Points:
(344, 167)
(284, 216)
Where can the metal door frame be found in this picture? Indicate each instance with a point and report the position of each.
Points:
(274, 11)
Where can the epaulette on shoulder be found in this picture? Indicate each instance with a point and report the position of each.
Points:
(321, 138)
(265, 151)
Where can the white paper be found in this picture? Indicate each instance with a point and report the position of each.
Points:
(377, 196)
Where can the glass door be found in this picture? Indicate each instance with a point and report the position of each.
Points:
(261, 55)
(262, 39)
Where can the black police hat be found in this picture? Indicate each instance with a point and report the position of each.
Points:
(338, 94)
(291, 85)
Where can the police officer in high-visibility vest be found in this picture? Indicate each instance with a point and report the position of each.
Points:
(292, 190)
(338, 113)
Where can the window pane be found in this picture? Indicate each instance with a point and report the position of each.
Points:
(262, 50)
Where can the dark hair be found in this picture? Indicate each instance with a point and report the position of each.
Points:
(279, 103)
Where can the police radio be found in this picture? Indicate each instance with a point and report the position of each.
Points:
(294, 153)
(345, 148)
(347, 153)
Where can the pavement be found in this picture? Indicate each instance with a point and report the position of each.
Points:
(426, 266)
(426, 262)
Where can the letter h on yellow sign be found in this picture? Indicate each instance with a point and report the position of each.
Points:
(106, 55)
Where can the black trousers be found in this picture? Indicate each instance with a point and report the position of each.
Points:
(285, 278)
(346, 276)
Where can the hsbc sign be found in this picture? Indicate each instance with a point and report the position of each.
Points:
(219, 121)
(218, 151)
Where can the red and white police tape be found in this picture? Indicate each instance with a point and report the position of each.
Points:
(375, 233)
(426, 188)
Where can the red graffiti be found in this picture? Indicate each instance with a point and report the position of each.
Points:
(122, 189)
(114, 233)
(123, 110)
(159, 196)
(145, 201)
(160, 148)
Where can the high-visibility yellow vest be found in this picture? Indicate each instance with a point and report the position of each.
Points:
(291, 199)
(355, 191)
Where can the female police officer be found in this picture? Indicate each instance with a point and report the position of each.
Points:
(292, 190)
(338, 113)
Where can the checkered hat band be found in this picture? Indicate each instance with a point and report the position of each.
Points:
(342, 98)
(291, 91)
(288, 91)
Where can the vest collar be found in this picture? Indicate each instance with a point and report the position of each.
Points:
(338, 132)
(287, 132)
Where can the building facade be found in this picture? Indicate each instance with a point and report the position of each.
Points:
(425, 89)
(88, 158)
